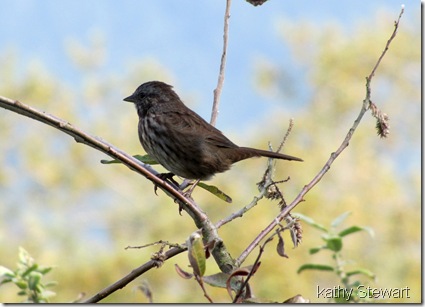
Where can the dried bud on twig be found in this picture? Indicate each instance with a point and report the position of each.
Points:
(382, 120)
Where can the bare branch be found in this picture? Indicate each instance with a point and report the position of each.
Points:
(217, 91)
(288, 132)
(253, 269)
(132, 276)
(266, 182)
(81, 137)
(201, 284)
(209, 231)
(396, 25)
(263, 185)
(326, 167)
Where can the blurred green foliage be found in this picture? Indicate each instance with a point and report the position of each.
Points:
(347, 289)
(69, 210)
(28, 278)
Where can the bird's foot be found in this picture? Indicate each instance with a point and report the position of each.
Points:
(166, 177)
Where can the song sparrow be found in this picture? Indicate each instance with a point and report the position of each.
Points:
(180, 140)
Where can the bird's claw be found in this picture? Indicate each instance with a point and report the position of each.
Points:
(166, 177)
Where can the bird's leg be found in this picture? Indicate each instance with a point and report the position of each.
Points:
(166, 177)
(169, 177)
(185, 184)
(188, 193)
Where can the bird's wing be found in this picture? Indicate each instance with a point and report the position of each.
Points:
(191, 124)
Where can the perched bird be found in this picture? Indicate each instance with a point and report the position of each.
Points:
(180, 140)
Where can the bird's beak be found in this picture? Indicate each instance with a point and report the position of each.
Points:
(130, 99)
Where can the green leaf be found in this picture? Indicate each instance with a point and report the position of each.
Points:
(215, 191)
(311, 222)
(47, 294)
(363, 272)
(5, 280)
(218, 280)
(21, 284)
(30, 269)
(44, 270)
(314, 250)
(336, 222)
(145, 159)
(312, 266)
(51, 284)
(149, 160)
(196, 254)
(34, 280)
(24, 257)
(334, 243)
(221, 279)
(354, 229)
(6, 275)
(6, 272)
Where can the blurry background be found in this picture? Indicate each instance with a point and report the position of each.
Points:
(286, 59)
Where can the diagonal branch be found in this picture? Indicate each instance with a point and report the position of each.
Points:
(300, 197)
(209, 231)
(133, 275)
(82, 137)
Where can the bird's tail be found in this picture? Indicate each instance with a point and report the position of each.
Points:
(246, 152)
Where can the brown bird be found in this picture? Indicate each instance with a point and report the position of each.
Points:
(180, 140)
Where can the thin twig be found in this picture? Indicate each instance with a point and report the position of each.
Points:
(396, 24)
(243, 210)
(263, 185)
(266, 182)
(132, 276)
(254, 268)
(201, 284)
(217, 91)
(162, 242)
(326, 167)
(288, 131)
